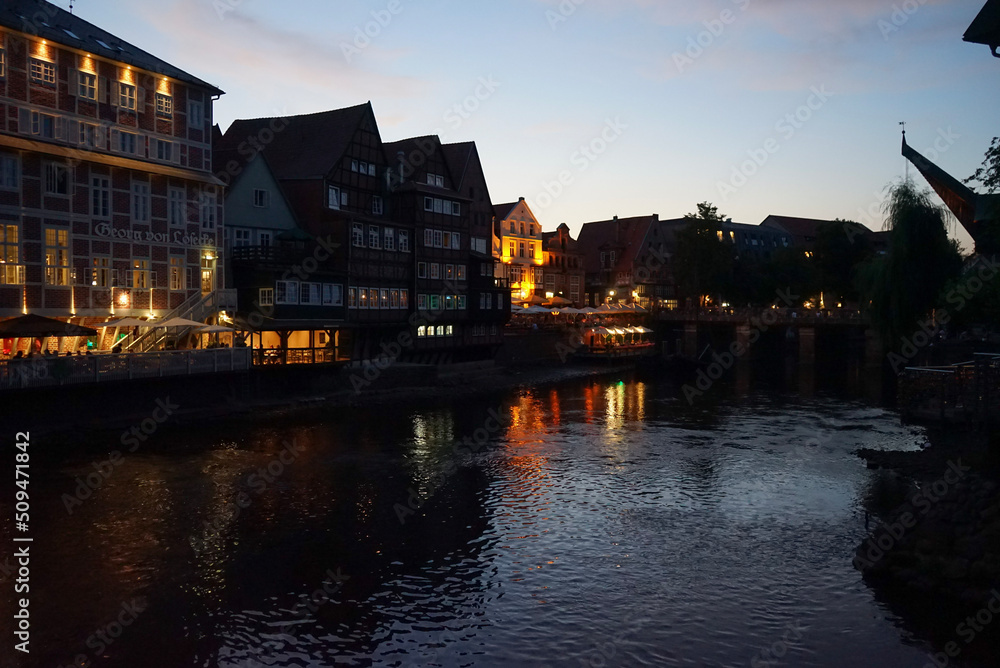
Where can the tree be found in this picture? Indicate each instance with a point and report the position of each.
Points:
(704, 264)
(988, 175)
(901, 289)
(841, 247)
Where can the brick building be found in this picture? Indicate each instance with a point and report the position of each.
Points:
(108, 204)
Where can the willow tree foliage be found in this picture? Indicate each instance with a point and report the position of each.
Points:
(901, 289)
(988, 175)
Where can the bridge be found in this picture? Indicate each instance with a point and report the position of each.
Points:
(747, 325)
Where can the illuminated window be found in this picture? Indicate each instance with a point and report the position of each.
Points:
(42, 72)
(140, 274)
(384, 299)
(56, 256)
(265, 297)
(460, 272)
(164, 105)
(126, 95)
(352, 297)
(100, 275)
(3, 62)
(394, 299)
(11, 271)
(421, 331)
(404, 299)
(86, 85)
(435, 271)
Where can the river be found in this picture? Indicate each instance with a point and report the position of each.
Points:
(595, 523)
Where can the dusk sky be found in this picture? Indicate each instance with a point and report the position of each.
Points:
(673, 98)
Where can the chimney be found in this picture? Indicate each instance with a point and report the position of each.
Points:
(520, 199)
(618, 230)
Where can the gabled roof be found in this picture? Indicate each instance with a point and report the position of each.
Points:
(303, 147)
(501, 211)
(459, 157)
(49, 22)
(804, 228)
(956, 195)
(985, 29)
(625, 235)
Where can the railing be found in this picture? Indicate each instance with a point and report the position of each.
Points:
(294, 356)
(782, 315)
(197, 308)
(960, 392)
(45, 371)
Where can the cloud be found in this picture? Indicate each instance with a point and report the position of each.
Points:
(236, 50)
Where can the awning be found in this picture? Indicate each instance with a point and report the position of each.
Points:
(40, 326)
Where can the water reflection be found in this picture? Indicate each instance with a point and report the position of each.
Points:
(608, 512)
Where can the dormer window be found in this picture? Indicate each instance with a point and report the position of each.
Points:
(435, 180)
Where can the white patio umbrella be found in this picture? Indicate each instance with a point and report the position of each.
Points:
(179, 322)
(215, 329)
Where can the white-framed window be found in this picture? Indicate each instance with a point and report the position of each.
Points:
(456, 208)
(261, 198)
(435, 271)
(404, 299)
(434, 302)
(422, 302)
(93, 136)
(56, 179)
(310, 294)
(42, 71)
(140, 201)
(389, 238)
(373, 237)
(100, 197)
(383, 302)
(358, 235)
(9, 171)
(394, 299)
(449, 272)
(264, 239)
(56, 256)
(208, 211)
(354, 165)
(177, 273)
(164, 105)
(286, 292)
(3, 60)
(100, 272)
(165, 151)
(11, 269)
(196, 114)
(139, 275)
(352, 297)
(265, 297)
(333, 294)
(450, 302)
(421, 270)
(460, 272)
(438, 239)
(428, 238)
(176, 205)
(377, 207)
(241, 238)
(404, 241)
(333, 197)
(128, 142)
(363, 298)
(126, 96)
(456, 240)
(45, 125)
(86, 85)
(428, 204)
(435, 180)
